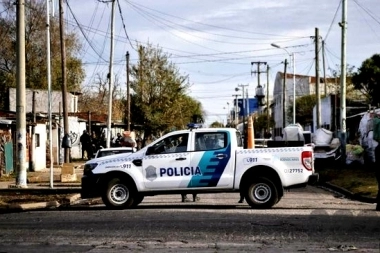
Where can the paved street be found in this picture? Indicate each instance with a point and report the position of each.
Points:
(308, 220)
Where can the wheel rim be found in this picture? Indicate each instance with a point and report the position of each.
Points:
(119, 194)
(262, 193)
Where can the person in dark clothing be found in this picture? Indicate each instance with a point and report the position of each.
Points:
(241, 200)
(85, 141)
(377, 173)
(185, 199)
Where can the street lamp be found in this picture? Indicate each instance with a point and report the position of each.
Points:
(294, 78)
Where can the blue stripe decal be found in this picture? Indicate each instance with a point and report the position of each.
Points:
(212, 167)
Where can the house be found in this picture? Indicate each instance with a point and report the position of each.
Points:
(37, 144)
(304, 85)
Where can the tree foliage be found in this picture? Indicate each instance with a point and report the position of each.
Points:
(95, 98)
(260, 123)
(35, 50)
(216, 124)
(352, 92)
(367, 79)
(304, 109)
(160, 102)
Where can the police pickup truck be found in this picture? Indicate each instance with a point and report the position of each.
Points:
(198, 160)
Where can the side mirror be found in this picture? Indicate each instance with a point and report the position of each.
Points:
(151, 150)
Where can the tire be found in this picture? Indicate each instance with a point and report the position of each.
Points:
(261, 193)
(118, 194)
(138, 199)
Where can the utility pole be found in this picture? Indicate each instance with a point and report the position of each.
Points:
(284, 96)
(258, 73)
(128, 96)
(109, 119)
(236, 107)
(324, 67)
(267, 98)
(33, 134)
(317, 79)
(244, 112)
(20, 97)
(48, 74)
(63, 84)
(258, 70)
(343, 66)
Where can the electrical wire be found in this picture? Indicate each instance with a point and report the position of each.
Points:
(164, 28)
(333, 21)
(157, 18)
(214, 26)
(367, 11)
(365, 20)
(124, 27)
(83, 33)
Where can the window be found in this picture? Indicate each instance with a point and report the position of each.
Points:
(172, 144)
(210, 141)
(37, 141)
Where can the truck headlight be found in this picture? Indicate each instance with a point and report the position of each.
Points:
(88, 167)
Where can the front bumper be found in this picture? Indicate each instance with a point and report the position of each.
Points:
(313, 178)
(90, 186)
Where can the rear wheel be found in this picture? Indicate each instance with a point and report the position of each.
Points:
(261, 193)
(118, 194)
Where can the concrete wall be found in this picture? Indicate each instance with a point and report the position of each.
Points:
(41, 98)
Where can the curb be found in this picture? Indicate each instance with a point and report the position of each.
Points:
(72, 199)
(29, 206)
(347, 193)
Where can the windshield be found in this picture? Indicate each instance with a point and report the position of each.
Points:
(113, 152)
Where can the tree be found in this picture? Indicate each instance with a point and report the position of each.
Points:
(260, 123)
(35, 50)
(367, 79)
(304, 109)
(160, 102)
(351, 92)
(95, 98)
(216, 124)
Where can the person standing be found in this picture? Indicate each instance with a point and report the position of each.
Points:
(185, 199)
(85, 141)
(377, 173)
(376, 137)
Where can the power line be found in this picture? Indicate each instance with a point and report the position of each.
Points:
(333, 21)
(122, 20)
(214, 26)
(84, 35)
(367, 11)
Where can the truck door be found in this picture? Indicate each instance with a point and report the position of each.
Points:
(167, 167)
(213, 156)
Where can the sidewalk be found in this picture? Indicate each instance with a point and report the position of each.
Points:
(39, 182)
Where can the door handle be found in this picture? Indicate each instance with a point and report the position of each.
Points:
(181, 159)
(220, 156)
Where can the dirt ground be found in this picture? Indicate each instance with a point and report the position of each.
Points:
(29, 198)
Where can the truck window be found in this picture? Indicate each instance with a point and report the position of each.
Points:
(239, 139)
(172, 144)
(210, 141)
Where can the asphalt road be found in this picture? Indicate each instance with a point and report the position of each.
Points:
(305, 220)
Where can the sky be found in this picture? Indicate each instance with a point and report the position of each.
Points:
(214, 42)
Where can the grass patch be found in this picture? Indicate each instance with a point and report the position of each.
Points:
(355, 178)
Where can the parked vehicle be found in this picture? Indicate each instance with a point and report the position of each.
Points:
(198, 160)
(114, 151)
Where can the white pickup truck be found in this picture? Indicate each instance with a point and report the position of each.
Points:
(203, 160)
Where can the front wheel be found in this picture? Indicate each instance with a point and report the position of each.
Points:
(261, 193)
(118, 194)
